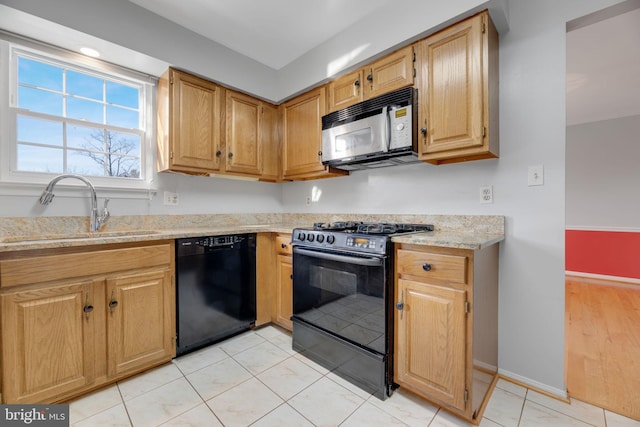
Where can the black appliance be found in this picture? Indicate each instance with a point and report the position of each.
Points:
(343, 299)
(215, 289)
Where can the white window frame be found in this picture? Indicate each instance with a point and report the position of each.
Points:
(13, 182)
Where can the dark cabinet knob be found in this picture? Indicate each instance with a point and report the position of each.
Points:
(400, 305)
(319, 153)
(113, 304)
(370, 77)
(423, 131)
(356, 83)
(218, 153)
(230, 155)
(88, 308)
(426, 267)
(283, 246)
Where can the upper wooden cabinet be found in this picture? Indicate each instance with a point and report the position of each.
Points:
(302, 137)
(457, 84)
(392, 72)
(189, 127)
(243, 128)
(204, 128)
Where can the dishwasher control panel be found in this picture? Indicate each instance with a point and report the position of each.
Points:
(198, 245)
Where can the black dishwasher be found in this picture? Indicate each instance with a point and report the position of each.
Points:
(215, 288)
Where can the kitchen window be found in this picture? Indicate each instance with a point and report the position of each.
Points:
(67, 117)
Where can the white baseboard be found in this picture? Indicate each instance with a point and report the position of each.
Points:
(603, 277)
(562, 394)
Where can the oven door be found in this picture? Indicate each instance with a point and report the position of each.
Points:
(343, 294)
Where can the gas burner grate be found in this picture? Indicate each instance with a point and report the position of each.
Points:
(337, 226)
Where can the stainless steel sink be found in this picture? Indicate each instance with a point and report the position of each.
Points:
(74, 236)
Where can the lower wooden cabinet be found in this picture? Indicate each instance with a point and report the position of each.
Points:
(73, 320)
(446, 325)
(283, 301)
(139, 329)
(274, 284)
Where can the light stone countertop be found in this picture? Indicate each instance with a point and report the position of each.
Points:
(451, 239)
(18, 234)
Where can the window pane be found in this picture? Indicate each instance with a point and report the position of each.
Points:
(36, 73)
(39, 131)
(84, 85)
(126, 96)
(40, 101)
(123, 166)
(85, 163)
(85, 110)
(123, 118)
(39, 159)
(85, 137)
(124, 143)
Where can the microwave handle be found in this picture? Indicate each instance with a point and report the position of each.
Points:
(387, 128)
(368, 262)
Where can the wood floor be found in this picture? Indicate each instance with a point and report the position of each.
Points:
(603, 344)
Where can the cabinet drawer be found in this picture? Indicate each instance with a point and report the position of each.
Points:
(433, 266)
(283, 244)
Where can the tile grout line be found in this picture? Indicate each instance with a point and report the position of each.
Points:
(126, 410)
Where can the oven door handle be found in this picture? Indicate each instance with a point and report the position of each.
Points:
(368, 262)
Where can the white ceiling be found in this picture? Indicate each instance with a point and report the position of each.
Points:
(603, 69)
(273, 32)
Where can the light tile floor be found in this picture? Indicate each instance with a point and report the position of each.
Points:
(257, 379)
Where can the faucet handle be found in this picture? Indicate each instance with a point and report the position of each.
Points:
(105, 213)
(106, 202)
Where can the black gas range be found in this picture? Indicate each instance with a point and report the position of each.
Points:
(343, 299)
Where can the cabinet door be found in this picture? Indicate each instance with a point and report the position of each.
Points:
(430, 351)
(451, 107)
(392, 72)
(195, 123)
(284, 292)
(140, 321)
(303, 133)
(270, 142)
(47, 342)
(243, 151)
(346, 90)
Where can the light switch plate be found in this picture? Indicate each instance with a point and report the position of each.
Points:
(535, 175)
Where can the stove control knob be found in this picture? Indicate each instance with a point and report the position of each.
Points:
(301, 236)
(331, 239)
(320, 238)
(310, 237)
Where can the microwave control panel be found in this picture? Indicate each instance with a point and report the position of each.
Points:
(401, 130)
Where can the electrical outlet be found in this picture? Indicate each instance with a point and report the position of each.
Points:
(486, 194)
(308, 201)
(535, 175)
(170, 198)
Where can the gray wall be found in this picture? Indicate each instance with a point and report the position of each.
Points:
(532, 129)
(603, 175)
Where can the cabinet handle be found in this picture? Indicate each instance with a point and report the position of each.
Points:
(283, 246)
(218, 153)
(87, 309)
(230, 155)
(426, 267)
(319, 153)
(400, 304)
(113, 303)
(370, 78)
(423, 130)
(357, 83)
(291, 276)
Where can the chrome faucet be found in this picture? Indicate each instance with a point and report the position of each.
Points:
(96, 220)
